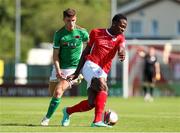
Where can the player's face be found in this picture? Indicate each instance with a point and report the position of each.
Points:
(119, 27)
(151, 51)
(70, 22)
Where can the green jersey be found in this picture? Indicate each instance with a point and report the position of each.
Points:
(70, 45)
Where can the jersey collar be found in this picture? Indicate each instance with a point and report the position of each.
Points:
(113, 37)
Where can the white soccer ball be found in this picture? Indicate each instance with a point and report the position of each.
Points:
(110, 117)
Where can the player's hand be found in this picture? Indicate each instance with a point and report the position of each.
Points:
(59, 74)
(158, 76)
(121, 54)
(73, 76)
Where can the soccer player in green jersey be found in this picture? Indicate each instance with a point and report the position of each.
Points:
(67, 49)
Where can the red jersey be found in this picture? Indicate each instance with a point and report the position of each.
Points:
(104, 47)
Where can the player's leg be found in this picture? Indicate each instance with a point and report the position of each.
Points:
(97, 93)
(151, 91)
(55, 101)
(96, 98)
(83, 105)
(100, 86)
(144, 89)
(151, 87)
(59, 90)
(149, 95)
(60, 87)
(52, 86)
(52, 81)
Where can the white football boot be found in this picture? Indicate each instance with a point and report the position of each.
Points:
(45, 121)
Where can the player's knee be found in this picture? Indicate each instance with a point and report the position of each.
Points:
(58, 92)
(99, 84)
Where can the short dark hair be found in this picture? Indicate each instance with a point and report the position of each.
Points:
(118, 17)
(69, 13)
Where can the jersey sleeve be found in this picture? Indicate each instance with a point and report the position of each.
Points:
(85, 36)
(56, 41)
(91, 38)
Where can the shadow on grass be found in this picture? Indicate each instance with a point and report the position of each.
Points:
(34, 125)
(28, 125)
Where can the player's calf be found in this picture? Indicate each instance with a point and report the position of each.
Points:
(97, 85)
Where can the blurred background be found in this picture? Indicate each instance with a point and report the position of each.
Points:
(26, 36)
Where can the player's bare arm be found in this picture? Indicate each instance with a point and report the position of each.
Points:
(121, 53)
(56, 62)
(157, 71)
(81, 62)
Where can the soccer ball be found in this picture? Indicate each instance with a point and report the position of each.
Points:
(110, 117)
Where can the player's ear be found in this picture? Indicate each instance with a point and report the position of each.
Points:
(114, 24)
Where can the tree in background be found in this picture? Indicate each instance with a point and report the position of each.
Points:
(40, 18)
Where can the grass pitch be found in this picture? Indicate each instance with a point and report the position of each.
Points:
(21, 114)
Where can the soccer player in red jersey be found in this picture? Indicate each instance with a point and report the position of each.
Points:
(95, 63)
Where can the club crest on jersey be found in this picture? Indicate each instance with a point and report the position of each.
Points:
(65, 43)
(114, 39)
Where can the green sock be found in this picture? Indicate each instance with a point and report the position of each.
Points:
(53, 106)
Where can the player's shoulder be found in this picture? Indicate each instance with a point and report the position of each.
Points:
(121, 37)
(97, 31)
(80, 28)
(60, 30)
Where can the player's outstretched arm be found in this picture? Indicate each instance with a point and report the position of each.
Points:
(82, 61)
(121, 53)
(157, 70)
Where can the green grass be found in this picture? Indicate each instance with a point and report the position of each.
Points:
(135, 115)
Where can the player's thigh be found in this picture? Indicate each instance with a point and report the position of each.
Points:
(91, 70)
(59, 89)
(62, 85)
(52, 86)
(99, 84)
(88, 73)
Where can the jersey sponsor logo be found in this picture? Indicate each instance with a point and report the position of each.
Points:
(72, 45)
(77, 36)
(106, 43)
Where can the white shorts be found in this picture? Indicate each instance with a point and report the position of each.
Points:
(91, 70)
(66, 72)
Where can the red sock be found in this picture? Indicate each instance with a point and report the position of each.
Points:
(80, 107)
(99, 105)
